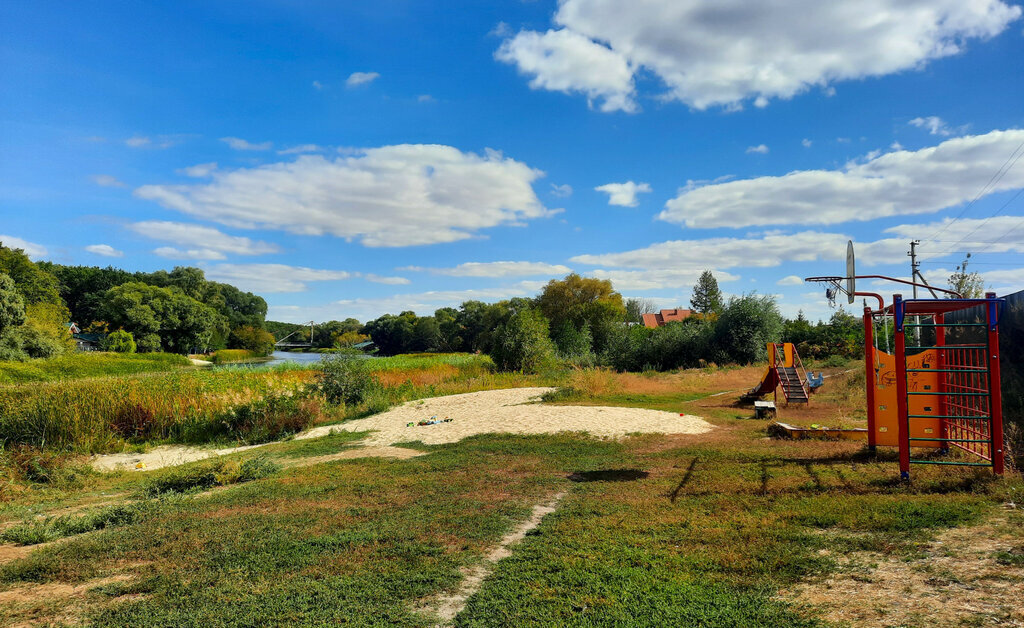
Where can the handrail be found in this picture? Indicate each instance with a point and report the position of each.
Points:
(799, 364)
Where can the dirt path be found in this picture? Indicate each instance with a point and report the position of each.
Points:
(445, 607)
(966, 576)
(513, 410)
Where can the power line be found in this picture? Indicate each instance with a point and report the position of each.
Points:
(999, 174)
(994, 214)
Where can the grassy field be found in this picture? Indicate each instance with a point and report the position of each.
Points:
(93, 364)
(714, 529)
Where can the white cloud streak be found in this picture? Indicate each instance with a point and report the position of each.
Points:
(107, 181)
(199, 171)
(272, 278)
(496, 269)
(33, 250)
(202, 238)
(760, 149)
(391, 196)
(897, 183)
(238, 143)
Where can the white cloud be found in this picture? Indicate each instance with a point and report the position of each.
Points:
(565, 61)
(501, 29)
(199, 171)
(137, 141)
(425, 98)
(657, 278)
(790, 280)
(33, 250)
(497, 269)
(105, 250)
(107, 181)
(561, 191)
(361, 78)
(999, 234)
(760, 149)
(727, 51)
(208, 240)
(897, 183)
(391, 196)
(298, 150)
(934, 125)
(238, 143)
(171, 252)
(391, 281)
(159, 142)
(896, 146)
(624, 194)
(318, 85)
(272, 278)
(806, 143)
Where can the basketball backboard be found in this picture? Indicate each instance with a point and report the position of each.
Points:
(851, 272)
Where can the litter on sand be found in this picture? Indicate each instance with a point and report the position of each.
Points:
(431, 421)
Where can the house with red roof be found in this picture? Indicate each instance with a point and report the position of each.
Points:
(659, 319)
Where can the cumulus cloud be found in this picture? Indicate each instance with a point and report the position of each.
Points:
(999, 234)
(361, 78)
(760, 149)
(790, 280)
(390, 196)
(624, 194)
(727, 51)
(272, 278)
(496, 269)
(105, 250)
(212, 243)
(33, 250)
(107, 181)
(238, 143)
(199, 171)
(425, 98)
(897, 183)
(566, 61)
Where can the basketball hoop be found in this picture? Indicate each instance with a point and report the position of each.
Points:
(834, 286)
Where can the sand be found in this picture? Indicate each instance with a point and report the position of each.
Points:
(514, 410)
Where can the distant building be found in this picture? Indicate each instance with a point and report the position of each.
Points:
(84, 341)
(666, 316)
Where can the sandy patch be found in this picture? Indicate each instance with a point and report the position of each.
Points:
(445, 607)
(401, 453)
(515, 411)
(956, 581)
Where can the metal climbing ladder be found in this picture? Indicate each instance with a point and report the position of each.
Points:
(959, 360)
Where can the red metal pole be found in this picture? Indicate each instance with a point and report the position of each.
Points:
(869, 372)
(995, 392)
(902, 421)
(940, 364)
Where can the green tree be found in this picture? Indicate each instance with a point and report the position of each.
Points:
(572, 343)
(450, 338)
(707, 298)
(636, 308)
(426, 334)
(523, 343)
(969, 284)
(251, 338)
(161, 318)
(12, 305)
(582, 300)
(745, 327)
(119, 341)
(392, 334)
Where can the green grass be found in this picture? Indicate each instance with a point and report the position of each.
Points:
(88, 364)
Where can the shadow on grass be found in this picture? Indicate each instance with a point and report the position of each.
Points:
(608, 475)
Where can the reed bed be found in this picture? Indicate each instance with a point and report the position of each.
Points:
(97, 415)
(80, 365)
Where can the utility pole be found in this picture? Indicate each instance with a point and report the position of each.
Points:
(914, 264)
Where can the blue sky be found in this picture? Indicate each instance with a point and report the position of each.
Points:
(348, 159)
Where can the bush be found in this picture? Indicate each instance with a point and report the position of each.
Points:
(205, 475)
(523, 344)
(119, 341)
(270, 418)
(344, 378)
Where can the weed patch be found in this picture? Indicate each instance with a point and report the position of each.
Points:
(205, 475)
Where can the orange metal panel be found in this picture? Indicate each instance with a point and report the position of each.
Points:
(885, 399)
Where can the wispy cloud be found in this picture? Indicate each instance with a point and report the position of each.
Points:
(760, 149)
(200, 242)
(105, 250)
(272, 278)
(107, 181)
(199, 171)
(361, 78)
(238, 143)
(496, 269)
(33, 250)
(624, 194)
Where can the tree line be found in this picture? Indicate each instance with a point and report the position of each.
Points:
(178, 311)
